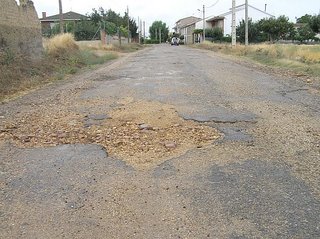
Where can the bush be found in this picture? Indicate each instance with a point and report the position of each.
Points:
(215, 34)
(226, 39)
(85, 30)
(151, 41)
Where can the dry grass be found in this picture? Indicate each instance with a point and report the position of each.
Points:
(302, 58)
(62, 57)
(61, 44)
(305, 54)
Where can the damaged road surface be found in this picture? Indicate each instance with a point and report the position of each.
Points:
(164, 143)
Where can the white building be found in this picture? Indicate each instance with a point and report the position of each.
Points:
(224, 20)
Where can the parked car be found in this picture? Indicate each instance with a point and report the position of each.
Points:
(175, 41)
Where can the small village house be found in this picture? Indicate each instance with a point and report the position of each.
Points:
(48, 22)
(185, 28)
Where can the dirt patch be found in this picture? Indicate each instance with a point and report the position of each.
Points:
(142, 133)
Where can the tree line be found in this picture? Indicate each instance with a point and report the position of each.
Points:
(275, 29)
(271, 29)
(88, 28)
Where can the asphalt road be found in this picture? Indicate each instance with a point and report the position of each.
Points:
(259, 180)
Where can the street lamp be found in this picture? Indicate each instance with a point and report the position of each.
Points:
(204, 23)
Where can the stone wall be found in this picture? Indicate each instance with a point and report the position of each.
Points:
(20, 28)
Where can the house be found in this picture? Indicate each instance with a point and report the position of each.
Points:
(254, 13)
(185, 28)
(48, 22)
(223, 21)
(210, 23)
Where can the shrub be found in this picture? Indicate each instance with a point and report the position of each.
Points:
(151, 41)
(216, 34)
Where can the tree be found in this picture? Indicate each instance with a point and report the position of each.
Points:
(254, 33)
(112, 21)
(276, 29)
(61, 16)
(154, 31)
(95, 17)
(304, 19)
(305, 33)
(315, 23)
(133, 28)
(84, 30)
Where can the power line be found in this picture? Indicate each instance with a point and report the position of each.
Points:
(213, 4)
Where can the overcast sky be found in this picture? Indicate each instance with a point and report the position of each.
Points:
(170, 11)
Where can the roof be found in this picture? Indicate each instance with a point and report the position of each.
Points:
(71, 16)
(187, 21)
(217, 18)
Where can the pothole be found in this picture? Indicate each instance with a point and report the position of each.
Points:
(143, 134)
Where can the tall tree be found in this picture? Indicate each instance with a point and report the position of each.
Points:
(112, 21)
(276, 29)
(61, 16)
(154, 31)
(254, 34)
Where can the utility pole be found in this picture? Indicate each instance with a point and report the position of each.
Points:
(233, 32)
(139, 30)
(61, 16)
(204, 23)
(160, 35)
(128, 25)
(247, 25)
(119, 36)
(140, 27)
(144, 30)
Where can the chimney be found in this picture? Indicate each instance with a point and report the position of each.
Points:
(44, 15)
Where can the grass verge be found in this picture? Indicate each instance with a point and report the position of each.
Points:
(62, 56)
(97, 46)
(300, 59)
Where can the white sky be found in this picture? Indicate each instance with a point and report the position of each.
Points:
(170, 11)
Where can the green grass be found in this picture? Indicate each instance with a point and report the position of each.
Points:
(89, 58)
(96, 45)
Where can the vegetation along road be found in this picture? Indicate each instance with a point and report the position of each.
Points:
(167, 142)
